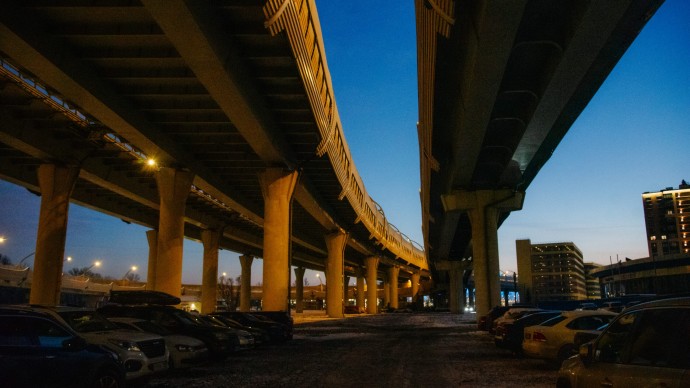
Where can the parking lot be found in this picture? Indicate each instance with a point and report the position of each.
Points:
(397, 349)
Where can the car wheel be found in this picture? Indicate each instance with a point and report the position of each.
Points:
(108, 378)
(566, 352)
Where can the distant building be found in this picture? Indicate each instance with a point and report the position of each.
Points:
(550, 272)
(593, 285)
(667, 218)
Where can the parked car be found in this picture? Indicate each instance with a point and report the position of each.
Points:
(282, 317)
(220, 342)
(246, 338)
(584, 336)
(184, 351)
(509, 335)
(278, 332)
(260, 335)
(486, 321)
(511, 315)
(39, 349)
(646, 345)
(553, 340)
(142, 354)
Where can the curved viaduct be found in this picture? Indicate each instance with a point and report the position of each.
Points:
(234, 102)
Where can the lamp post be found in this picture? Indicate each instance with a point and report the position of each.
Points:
(320, 283)
(24, 258)
(130, 270)
(96, 263)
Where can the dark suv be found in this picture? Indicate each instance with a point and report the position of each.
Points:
(646, 345)
(220, 341)
(39, 349)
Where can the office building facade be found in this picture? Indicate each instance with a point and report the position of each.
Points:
(667, 220)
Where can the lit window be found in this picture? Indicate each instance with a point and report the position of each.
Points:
(653, 238)
(663, 237)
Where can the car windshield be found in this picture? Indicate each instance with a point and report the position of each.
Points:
(87, 321)
(151, 327)
(188, 318)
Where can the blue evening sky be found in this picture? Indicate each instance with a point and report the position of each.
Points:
(633, 137)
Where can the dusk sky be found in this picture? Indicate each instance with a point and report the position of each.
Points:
(632, 138)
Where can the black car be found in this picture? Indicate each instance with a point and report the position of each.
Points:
(38, 349)
(220, 341)
(260, 335)
(510, 334)
(277, 332)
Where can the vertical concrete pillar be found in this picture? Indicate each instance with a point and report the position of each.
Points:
(346, 289)
(360, 288)
(299, 289)
(152, 238)
(277, 187)
(173, 190)
(415, 286)
(372, 264)
(483, 208)
(209, 280)
(335, 244)
(56, 184)
(386, 291)
(246, 282)
(456, 297)
(393, 273)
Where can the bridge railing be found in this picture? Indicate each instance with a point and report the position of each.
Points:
(299, 20)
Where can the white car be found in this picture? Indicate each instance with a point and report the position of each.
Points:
(184, 351)
(553, 340)
(511, 315)
(142, 354)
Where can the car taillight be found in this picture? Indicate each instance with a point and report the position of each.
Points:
(537, 336)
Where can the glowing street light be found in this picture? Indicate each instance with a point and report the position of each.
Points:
(2, 239)
(130, 270)
(320, 283)
(96, 263)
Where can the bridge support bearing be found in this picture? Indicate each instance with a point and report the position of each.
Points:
(299, 289)
(209, 280)
(335, 244)
(246, 282)
(484, 207)
(372, 263)
(360, 288)
(393, 273)
(277, 186)
(173, 189)
(56, 184)
(152, 238)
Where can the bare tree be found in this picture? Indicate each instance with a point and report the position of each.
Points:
(225, 290)
(84, 271)
(5, 260)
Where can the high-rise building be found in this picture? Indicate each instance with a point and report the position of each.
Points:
(550, 272)
(593, 285)
(667, 218)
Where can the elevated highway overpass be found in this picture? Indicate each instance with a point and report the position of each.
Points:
(500, 84)
(232, 99)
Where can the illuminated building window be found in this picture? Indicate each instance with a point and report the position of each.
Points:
(653, 238)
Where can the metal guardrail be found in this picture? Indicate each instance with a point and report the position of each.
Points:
(299, 21)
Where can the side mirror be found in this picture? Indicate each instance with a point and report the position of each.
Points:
(585, 352)
(74, 344)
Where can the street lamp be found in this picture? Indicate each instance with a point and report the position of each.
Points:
(133, 268)
(24, 258)
(320, 283)
(96, 263)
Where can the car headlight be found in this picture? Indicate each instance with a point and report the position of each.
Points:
(127, 345)
(183, 348)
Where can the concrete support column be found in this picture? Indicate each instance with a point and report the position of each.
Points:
(372, 264)
(393, 273)
(335, 243)
(173, 190)
(246, 280)
(484, 207)
(277, 187)
(152, 238)
(415, 285)
(457, 294)
(346, 289)
(299, 289)
(386, 291)
(209, 280)
(360, 288)
(56, 184)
